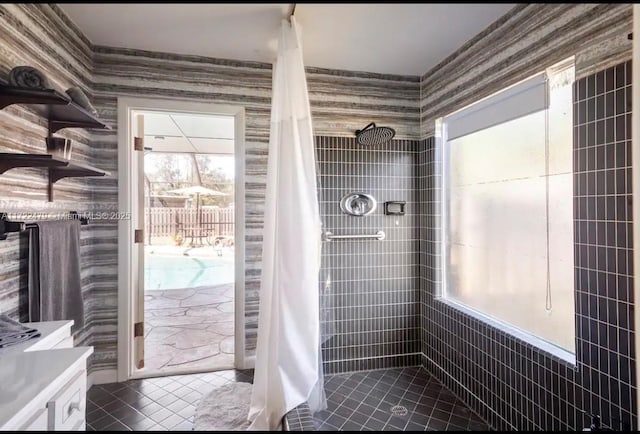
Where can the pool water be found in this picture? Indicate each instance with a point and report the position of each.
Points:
(177, 272)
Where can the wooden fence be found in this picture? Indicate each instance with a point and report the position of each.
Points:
(169, 222)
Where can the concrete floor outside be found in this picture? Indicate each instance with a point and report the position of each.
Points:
(190, 328)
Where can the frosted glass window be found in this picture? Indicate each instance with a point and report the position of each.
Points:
(495, 217)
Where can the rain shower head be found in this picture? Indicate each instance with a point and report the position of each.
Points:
(373, 136)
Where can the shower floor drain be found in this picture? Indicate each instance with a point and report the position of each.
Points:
(399, 410)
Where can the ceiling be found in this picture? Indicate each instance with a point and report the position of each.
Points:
(200, 134)
(404, 39)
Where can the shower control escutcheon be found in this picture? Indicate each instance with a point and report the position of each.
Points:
(358, 204)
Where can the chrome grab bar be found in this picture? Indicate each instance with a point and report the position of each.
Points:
(380, 235)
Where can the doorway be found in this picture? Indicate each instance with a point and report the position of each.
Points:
(188, 241)
(181, 290)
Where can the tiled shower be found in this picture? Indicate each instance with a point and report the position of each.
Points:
(369, 288)
(381, 310)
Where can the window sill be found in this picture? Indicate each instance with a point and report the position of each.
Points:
(553, 350)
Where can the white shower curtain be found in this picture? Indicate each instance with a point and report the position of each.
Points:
(287, 367)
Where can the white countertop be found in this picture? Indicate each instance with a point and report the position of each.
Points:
(30, 372)
(51, 332)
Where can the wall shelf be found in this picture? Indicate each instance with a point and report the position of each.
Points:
(58, 168)
(57, 108)
(10, 161)
(61, 113)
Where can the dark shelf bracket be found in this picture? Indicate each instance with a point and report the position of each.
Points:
(5, 166)
(54, 106)
(58, 168)
(13, 161)
(40, 98)
(56, 174)
(55, 126)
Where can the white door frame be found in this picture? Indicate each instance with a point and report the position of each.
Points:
(126, 180)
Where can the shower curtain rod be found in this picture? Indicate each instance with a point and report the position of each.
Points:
(293, 11)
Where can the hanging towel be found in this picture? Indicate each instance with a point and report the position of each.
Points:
(34, 276)
(55, 289)
(13, 333)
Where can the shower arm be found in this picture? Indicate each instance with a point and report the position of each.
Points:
(371, 125)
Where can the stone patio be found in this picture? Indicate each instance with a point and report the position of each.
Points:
(189, 329)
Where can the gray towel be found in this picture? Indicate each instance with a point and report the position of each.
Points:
(33, 276)
(13, 333)
(55, 288)
(28, 77)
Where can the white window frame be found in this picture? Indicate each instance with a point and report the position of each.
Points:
(443, 255)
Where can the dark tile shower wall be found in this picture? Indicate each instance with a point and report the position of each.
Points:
(370, 309)
(510, 383)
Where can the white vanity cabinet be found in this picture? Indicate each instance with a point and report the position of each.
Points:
(43, 382)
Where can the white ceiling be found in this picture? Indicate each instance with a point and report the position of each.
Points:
(385, 38)
(200, 134)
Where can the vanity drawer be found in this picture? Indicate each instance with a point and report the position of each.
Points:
(67, 407)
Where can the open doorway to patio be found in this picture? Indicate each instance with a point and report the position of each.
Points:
(189, 241)
(135, 194)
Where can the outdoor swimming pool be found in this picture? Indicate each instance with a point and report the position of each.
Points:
(176, 272)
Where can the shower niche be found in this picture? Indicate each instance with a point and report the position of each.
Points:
(358, 204)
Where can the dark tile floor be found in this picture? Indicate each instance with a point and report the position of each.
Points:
(394, 399)
(157, 404)
(406, 399)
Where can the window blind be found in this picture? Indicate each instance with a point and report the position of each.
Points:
(521, 99)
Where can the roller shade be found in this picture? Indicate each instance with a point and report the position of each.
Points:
(526, 97)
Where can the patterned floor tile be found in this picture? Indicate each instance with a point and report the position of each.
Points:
(154, 404)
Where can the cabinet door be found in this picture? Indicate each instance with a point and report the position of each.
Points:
(67, 407)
